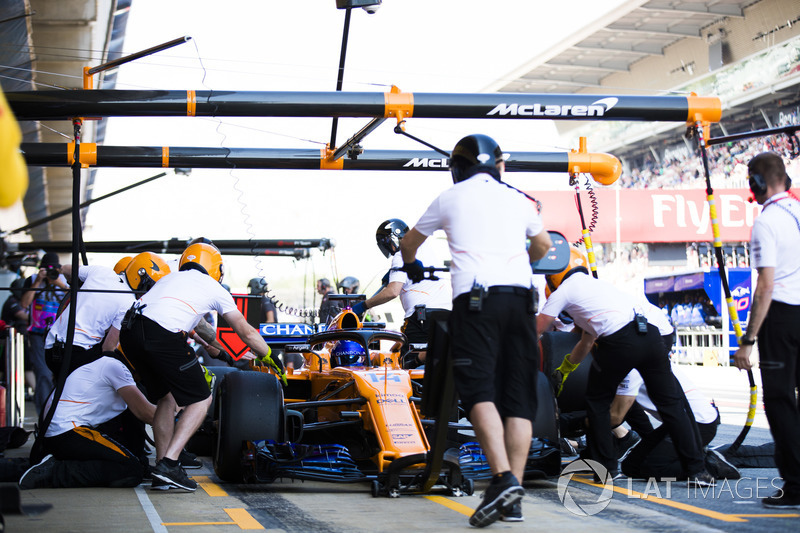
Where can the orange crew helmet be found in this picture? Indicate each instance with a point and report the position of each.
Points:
(119, 268)
(144, 270)
(203, 257)
(577, 263)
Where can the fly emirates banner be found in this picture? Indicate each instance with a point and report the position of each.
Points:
(650, 215)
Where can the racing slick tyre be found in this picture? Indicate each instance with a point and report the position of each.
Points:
(202, 442)
(249, 407)
(545, 425)
(555, 345)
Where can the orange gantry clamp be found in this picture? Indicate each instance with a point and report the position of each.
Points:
(604, 168)
(399, 105)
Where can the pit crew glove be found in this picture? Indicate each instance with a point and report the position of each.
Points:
(414, 270)
(275, 364)
(359, 308)
(210, 378)
(241, 364)
(560, 374)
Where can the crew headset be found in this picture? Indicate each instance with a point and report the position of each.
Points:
(758, 186)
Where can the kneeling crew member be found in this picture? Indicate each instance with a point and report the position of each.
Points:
(80, 452)
(655, 455)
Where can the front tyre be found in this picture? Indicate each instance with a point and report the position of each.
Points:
(249, 407)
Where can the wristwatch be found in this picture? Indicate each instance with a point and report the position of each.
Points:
(744, 341)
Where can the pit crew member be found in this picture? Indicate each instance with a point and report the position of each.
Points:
(654, 456)
(154, 337)
(774, 316)
(626, 338)
(96, 437)
(417, 299)
(495, 354)
(99, 315)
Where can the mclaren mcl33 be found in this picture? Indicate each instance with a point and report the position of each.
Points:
(351, 413)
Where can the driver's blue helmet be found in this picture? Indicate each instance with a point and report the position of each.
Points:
(347, 353)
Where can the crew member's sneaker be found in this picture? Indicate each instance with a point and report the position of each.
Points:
(719, 467)
(158, 484)
(702, 479)
(513, 513)
(40, 475)
(174, 476)
(624, 445)
(501, 494)
(783, 499)
(189, 460)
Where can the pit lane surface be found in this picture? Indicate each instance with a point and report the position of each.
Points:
(325, 507)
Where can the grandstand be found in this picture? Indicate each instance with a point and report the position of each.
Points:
(654, 221)
(745, 52)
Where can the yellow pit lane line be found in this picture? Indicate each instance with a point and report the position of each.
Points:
(211, 488)
(450, 504)
(240, 517)
(669, 503)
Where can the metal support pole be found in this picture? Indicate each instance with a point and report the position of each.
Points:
(83, 205)
(340, 75)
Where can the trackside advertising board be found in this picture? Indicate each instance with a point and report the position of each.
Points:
(650, 215)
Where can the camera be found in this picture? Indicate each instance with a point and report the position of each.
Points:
(52, 273)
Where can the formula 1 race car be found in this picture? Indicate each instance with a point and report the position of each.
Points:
(350, 413)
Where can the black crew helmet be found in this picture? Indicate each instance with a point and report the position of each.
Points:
(257, 286)
(389, 234)
(201, 240)
(350, 282)
(473, 154)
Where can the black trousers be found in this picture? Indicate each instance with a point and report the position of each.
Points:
(779, 352)
(86, 457)
(618, 354)
(495, 353)
(655, 456)
(80, 356)
(416, 330)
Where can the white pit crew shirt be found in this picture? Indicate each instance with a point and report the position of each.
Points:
(432, 294)
(96, 311)
(774, 242)
(600, 308)
(90, 396)
(177, 302)
(487, 224)
(633, 385)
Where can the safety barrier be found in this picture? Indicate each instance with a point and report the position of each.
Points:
(15, 378)
(696, 346)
